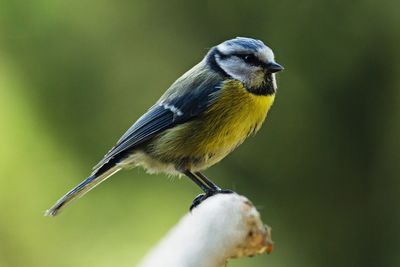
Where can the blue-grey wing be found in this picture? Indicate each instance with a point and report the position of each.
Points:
(168, 112)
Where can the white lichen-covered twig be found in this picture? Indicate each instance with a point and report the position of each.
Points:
(224, 226)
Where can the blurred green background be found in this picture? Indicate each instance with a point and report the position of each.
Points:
(324, 171)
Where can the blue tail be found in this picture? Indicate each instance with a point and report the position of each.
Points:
(80, 190)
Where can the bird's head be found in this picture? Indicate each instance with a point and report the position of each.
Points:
(247, 60)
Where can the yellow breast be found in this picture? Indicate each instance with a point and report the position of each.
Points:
(233, 117)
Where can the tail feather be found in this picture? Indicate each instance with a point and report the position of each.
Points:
(80, 190)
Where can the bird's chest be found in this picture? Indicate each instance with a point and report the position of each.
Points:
(233, 117)
(204, 141)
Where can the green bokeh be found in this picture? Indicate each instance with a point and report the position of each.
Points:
(324, 171)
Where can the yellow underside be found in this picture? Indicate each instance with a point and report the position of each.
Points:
(233, 117)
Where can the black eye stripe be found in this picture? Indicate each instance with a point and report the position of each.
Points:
(246, 57)
(249, 58)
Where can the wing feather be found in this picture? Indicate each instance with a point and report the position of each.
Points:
(151, 123)
(171, 110)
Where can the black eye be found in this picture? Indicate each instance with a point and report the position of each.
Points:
(251, 59)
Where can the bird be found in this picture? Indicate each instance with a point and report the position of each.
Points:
(202, 117)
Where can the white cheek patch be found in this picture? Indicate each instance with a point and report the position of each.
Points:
(228, 65)
(235, 68)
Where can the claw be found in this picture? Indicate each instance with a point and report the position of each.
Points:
(225, 191)
(200, 198)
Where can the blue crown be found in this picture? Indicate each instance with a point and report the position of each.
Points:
(245, 43)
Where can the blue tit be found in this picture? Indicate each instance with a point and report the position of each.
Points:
(202, 117)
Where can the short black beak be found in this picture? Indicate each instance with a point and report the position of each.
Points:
(274, 67)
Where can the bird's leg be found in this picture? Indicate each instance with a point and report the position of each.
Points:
(207, 181)
(197, 181)
(213, 186)
(216, 189)
(207, 190)
(206, 185)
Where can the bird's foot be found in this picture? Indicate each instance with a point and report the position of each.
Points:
(200, 198)
(225, 191)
